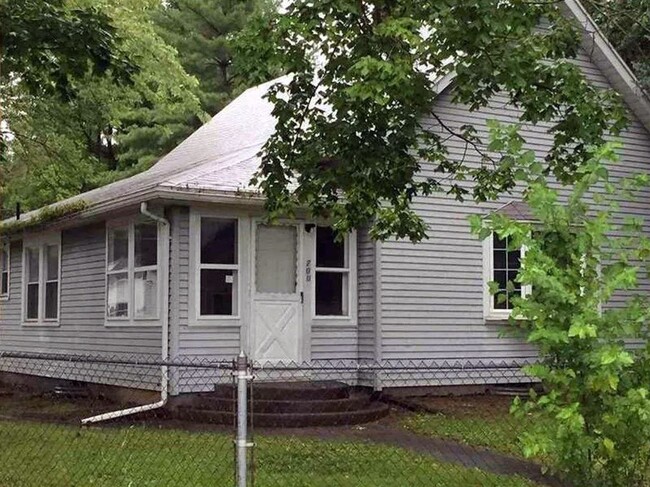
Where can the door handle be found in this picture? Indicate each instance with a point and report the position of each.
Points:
(302, 297)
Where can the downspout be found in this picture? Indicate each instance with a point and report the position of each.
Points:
(164, 371)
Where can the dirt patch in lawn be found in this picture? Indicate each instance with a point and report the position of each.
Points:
(483, 406)
(19, 402)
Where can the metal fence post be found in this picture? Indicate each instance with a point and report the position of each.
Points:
(243, 376)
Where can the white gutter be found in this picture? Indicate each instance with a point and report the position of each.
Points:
(164, 372)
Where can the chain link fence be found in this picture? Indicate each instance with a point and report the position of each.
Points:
(138, 421)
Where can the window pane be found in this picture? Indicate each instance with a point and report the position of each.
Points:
(4, 257)
(4, 268)
(275, 259)
(501, 300)
(499, 243)
(218, 241)
(501, 277)
(52, 255)
(514, 259)
(32, 301)
(118, 249)
(218, 292)
(146, 294)
(512, 276)
(118, 295)
(507, 263)
(500, 259)
(52, 300)
(146, 244)
(32, 265)
(329, 253)
(331, 294)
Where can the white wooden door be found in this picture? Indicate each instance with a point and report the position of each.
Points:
(277, 314)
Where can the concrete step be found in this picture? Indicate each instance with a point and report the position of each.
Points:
(355, 401)
(372, 411)
(286, 391)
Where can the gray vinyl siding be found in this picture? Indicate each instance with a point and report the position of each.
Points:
(213, 342)
(432, 292)
(366, 295)
(328, 342)
(334, 342)
(81, 328)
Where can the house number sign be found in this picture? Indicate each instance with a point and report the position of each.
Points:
(308, 270)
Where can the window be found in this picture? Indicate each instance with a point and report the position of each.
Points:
(332, 274)
(506, 263)
(503, 264)
(218, 264)
(41, 264)
(132, 271)
(4, 269)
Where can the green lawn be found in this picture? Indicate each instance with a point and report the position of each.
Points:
(473, 422)
(60, 456)
(498, 433)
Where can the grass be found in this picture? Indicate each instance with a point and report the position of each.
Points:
(498, 433)
(484, 422)
(55, 455)
(55, 407)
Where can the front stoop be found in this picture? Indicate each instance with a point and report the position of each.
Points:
(288, 405)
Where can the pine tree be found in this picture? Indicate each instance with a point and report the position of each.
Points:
(201, 31)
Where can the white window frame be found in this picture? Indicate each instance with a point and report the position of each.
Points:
(131, 320)
(6, 245)
(489, 311)
(40, 243)
(196, 318)
(350, 243)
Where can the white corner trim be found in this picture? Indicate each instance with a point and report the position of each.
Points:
(378, 302)
(444, 82)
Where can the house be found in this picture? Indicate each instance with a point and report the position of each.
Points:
(178, 260)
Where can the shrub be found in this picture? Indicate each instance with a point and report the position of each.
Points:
(587, 316)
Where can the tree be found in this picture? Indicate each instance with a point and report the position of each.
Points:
(46, 44)
(626, 24)
(202, 31)
(350, 141)
(107, 130)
